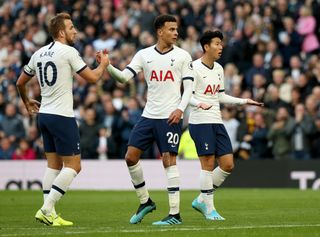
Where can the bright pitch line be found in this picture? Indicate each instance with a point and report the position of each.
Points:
(146, 229)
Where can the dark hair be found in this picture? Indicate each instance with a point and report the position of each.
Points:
(208, 36)
(56, 24)
(161, 20)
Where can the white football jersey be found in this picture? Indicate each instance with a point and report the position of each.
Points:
(54, 65)
(207, 84)
(163, 73)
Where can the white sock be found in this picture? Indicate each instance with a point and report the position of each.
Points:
(173, 189)
(218, 177)
(59, 187)
(139, 184)
(206, 187)
(49, 176)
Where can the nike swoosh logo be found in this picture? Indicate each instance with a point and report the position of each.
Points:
(149, 61)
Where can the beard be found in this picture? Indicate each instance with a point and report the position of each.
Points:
(69, 41)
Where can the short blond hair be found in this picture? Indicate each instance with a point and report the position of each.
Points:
(56, 24)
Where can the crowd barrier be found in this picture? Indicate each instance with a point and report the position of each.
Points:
(113, 175)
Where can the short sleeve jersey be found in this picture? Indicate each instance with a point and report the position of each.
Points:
(208, 82)
(164, 73)
(54, 65)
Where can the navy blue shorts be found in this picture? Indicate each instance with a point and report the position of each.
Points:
(60, 134)
(146, 131)
(211, 139)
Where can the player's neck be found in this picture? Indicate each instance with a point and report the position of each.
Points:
(162, 47)
(61, 40)
(207, 60)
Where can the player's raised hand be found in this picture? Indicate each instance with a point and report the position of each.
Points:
(175, 117)
(252, 102)
(204, 106)
(102, 57)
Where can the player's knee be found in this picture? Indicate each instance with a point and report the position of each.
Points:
(207, 163)
(75, 167)
(130, 159)
(168, 159)
(78, 169)
(208, 166)
(228, 167)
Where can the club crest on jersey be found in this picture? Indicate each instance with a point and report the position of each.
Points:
(212, 89)
(161, 75)
(172, 61)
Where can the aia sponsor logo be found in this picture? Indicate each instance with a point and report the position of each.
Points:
(161, 76)
(212, 89)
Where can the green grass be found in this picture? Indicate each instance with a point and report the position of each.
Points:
(248, 212)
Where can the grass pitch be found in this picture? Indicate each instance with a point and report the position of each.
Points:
(248, 212)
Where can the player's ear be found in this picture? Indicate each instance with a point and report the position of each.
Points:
(62, 34)
(206, 47)
(159, 32)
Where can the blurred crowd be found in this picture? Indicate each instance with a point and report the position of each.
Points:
(271, 54)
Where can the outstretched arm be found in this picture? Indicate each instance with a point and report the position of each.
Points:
(253, 102)
(120, 76)
(227, 99)
(92, 76)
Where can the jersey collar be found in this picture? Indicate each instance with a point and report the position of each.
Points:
(155, 48)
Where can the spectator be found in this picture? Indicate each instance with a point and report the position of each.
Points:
(315, 151)
(147, 16)
(257, 68)
(283, 84)
(2, 106)
(295, 69)
(300, 132)
(6, 149)
(295, 99)
(258, 89)
(311, 106)
(231, 77)
(231, 124)
(289, 40)
(316, 95)
(191, 41)
(35, 141)
(271, 51)
(273, 100)
(244, 132)
(279, 135)
(89, 134)
(306, 26)
(12, 125)
(105, 40)
(305, 86)
(24, 151)
(102, 148)
(259, 142)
